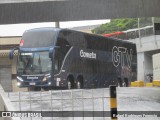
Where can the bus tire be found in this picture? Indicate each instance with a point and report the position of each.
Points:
(69, 86)
(70, 82)
(79, 84)
(119, 83)
(125, 83)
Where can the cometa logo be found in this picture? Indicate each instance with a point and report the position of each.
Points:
(87, 54)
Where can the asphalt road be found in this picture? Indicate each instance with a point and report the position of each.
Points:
(128, 99)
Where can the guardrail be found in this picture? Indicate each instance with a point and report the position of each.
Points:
(6, 105)
(67, 102)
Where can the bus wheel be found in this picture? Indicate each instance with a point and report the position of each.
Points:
(119, 82)
(79, 86)
(125, 83)
(70, 82)
(69, 86)
(79, 82)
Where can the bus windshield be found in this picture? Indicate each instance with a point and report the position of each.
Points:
(33, 63)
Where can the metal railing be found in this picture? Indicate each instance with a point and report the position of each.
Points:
(82, 101)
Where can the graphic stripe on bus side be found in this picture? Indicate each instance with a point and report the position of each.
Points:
(64, 61)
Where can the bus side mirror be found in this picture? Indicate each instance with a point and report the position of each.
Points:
(51, 53)
(11, 53)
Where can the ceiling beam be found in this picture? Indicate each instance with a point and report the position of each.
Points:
(74, 10)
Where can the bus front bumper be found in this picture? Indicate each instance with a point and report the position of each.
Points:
(36, 84)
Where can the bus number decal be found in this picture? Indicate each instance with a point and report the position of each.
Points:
(119, 55)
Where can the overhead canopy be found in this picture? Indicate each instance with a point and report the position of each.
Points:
(30, 11)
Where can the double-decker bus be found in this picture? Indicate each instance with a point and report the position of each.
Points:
(53, 57)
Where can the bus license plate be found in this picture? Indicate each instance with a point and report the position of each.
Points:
(32, 83)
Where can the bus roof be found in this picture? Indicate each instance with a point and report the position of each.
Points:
(46, 37)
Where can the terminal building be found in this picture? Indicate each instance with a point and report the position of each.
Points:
(7, 67)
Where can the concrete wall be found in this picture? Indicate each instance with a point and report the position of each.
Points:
(145, 49)
(156, 66)
(148, 43)
(5, 61)
(9, 40)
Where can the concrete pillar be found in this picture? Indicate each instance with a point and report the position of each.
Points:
(57, 25)
(144, 66)
(140, 66)
(148, 66)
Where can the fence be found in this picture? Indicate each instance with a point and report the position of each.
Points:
(73, 104)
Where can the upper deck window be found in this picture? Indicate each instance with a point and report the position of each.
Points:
(39, 38)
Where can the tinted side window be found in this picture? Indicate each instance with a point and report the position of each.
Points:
(60, 52)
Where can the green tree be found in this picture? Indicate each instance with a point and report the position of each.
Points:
(124, 24)
(117, 25)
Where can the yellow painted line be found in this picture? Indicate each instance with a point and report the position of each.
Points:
(113, 103)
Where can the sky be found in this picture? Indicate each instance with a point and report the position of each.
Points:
(18, 29)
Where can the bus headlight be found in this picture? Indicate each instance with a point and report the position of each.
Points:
(19, 78)
(18, 84)
(49, 83)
